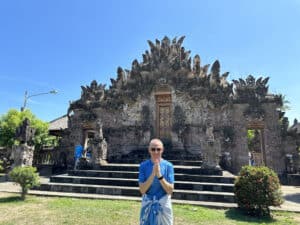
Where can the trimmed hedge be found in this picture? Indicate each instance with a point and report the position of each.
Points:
(26, 176)
(256, 189)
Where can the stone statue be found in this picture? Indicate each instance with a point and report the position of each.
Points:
(99, 147)
(211, 148)
(25, 133)
(210, 133)
(211, 154)
(22, 154)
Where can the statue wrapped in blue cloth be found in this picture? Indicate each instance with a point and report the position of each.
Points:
(156, 183)
(77, 155)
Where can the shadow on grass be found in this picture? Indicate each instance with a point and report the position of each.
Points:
(235, 214)
(11, 199)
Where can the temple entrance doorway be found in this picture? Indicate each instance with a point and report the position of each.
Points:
(256, 148)
(163, 115)
(89, 135)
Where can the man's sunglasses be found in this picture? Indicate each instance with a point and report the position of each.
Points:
(157, 149)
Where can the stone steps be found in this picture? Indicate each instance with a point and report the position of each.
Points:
(187, 162)
(175, 162)
(183, 185)
(134, 174)
(177, 169)
(192, 183)
(134, 191)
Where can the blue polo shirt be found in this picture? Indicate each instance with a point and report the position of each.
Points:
(167, 171)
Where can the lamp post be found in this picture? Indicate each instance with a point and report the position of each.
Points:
(26, 97)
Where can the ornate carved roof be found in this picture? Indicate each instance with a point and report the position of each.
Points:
(167, 62)
(251, 88)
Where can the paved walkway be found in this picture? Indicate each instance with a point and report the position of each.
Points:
(291, 195)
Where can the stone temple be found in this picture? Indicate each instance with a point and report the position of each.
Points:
(193, 108)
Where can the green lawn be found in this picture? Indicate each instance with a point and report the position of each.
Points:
(58, 211)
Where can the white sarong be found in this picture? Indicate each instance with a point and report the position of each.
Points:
(156, 212)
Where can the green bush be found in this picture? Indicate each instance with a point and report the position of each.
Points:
(257, 188)
(27, 177)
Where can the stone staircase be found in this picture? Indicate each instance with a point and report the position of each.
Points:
(192, 183)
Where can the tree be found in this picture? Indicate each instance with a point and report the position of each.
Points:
(27, 177)
(13, 119)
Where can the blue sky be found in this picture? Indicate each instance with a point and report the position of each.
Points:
(63, 44)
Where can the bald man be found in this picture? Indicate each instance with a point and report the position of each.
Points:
(156, 183)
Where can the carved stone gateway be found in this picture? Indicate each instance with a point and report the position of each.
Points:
(191, 106)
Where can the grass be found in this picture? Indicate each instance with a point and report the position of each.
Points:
(57, 211)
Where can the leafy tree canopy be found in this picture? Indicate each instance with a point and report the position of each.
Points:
(13, 119)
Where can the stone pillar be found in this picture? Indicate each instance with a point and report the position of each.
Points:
(22, 155)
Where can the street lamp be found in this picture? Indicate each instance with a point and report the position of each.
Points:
(26, 97)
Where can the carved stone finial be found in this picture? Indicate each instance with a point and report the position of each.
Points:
(93, 93)
(250, 89)
(196, 65)
(223, 80)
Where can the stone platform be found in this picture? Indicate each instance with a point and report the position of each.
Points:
(192, 183)
(291, 195)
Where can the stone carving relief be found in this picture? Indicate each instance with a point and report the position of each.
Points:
(145, 115)
(254, 92)
(91, 97)
(250, 88)
(168, 61)
(179, 121)
(88, 116)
